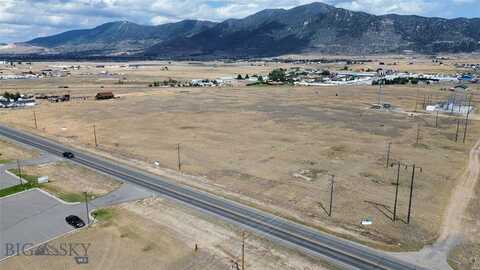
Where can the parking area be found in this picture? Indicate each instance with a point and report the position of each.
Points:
(33, 217)
(6, 179)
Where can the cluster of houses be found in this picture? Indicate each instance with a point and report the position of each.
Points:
(21, 102)
(451, 106)
(17, 76)
(474, 67)
(45, 73)
(193, 83)
(319, 77)
(51, 71)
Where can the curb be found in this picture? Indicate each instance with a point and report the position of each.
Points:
(14, 175)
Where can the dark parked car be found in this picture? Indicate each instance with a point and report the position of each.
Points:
(68, 155)
(75, 221)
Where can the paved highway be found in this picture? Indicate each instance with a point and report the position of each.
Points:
(344, 254)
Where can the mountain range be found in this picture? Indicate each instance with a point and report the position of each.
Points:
(315, 27)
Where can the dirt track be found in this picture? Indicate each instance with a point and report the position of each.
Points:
(461, 196)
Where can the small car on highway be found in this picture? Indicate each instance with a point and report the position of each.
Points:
(68, 155)
(75, 221)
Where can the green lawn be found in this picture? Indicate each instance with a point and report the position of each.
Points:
(28, 178)
(5, 161)
(32, 183)
(103, 214)
(66, 196)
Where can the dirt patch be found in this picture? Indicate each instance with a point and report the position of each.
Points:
(466, 255)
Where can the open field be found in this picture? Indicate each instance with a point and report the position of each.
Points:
(251, 143)
(405, 63)
(147, 235)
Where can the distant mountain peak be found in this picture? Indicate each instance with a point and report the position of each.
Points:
(314, 27)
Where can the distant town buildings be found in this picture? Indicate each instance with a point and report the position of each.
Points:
(104, 96)
(15, 103)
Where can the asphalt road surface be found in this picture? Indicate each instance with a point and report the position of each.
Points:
(33, 217)
(343, 253)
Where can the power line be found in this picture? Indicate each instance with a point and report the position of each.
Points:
(411, 192)
(178, 158)
(458, 128)
(86, 206)
(396, 192)
(418, 135)
(332, 179)
(243, 250)
(389, 145)
(19, 168)
(95, 135)
(466, 119)
(35, 119)
(416, 101)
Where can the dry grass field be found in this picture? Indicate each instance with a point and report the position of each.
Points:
(404, 63)
(10, 152)
(250, 144)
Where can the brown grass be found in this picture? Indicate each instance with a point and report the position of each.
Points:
(247, 143)
(12, 152)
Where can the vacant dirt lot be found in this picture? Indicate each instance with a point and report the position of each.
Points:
(70, 181)
(274, 147)
(147, 235)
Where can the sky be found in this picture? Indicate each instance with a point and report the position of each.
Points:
(22, 20)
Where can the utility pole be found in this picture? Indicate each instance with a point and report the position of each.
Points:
(332, 183)
(453, 103)
(19, 168)
(243, 250)
(418, 134)
(86, 206)
(379, 95)
(466, 119)
(458, 128)
(396, 192)
(436, 120)
(35, 119)
(178, 158)
(95, 135)
(416, 100)
(389, 145)
(411, 193)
